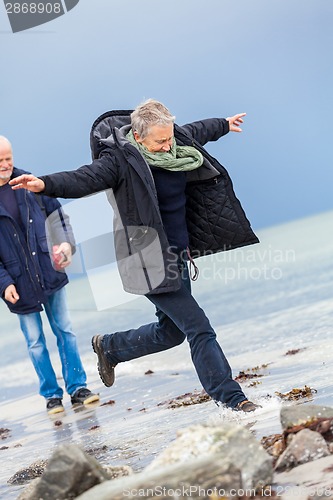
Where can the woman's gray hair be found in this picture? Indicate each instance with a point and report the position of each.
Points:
(148, 114)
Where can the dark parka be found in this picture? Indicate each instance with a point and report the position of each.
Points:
(215, 218)
(24, 253)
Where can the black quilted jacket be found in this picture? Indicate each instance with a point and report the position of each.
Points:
(215, 218)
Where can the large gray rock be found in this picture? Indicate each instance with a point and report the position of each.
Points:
(29, 491)
(305, 446)
(199, 479)
(70, 472)
(307, 481)
(234, 444)
(299, 414)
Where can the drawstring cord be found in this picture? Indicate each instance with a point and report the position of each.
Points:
(194, 270)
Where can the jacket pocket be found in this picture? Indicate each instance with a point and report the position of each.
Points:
(43, 244)
(13, 268)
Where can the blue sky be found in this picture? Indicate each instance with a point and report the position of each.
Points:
(271, 59)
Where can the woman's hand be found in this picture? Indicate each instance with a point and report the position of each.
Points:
(235, 121)
(29, 182)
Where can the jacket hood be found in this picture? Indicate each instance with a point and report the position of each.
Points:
(104, 126)
(120, 134)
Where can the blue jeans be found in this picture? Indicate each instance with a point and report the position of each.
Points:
(179, 317)
(72, 370)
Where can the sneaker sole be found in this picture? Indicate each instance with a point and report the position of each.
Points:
(57, 409)
(106, 372)
(92, 399)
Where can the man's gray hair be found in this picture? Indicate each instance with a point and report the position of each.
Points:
(148, 114)
(4, 139)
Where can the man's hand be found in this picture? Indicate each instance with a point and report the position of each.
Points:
(64, 251)
(11, 294)
(235, 121)
(29, 182)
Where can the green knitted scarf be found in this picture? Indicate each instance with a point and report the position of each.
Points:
(178, 158)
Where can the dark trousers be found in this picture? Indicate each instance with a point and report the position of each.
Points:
(179, 317)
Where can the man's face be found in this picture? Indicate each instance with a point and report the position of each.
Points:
(6, 162)
(159, 139)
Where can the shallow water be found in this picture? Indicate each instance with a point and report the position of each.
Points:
(263, 300)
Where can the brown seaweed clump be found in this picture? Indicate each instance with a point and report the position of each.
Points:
(251, 373)
(292, 352)
(27, 474)
(110, 402)
(296, 393)
(4, 433)
(187, 399)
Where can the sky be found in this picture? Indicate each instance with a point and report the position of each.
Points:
(271, 59)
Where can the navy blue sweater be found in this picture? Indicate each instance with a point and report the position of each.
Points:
(170, 187)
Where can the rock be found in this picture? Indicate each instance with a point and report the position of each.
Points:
(29, 491)
(293, 415)
(305, 446)
(306, 481)
(234, 444)
(70, 472)
(114, 471)
(201, 478)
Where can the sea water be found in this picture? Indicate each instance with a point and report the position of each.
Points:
(265, 302)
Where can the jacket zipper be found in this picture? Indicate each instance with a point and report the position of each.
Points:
(151, 175)
(25, 255)
(28, 242)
